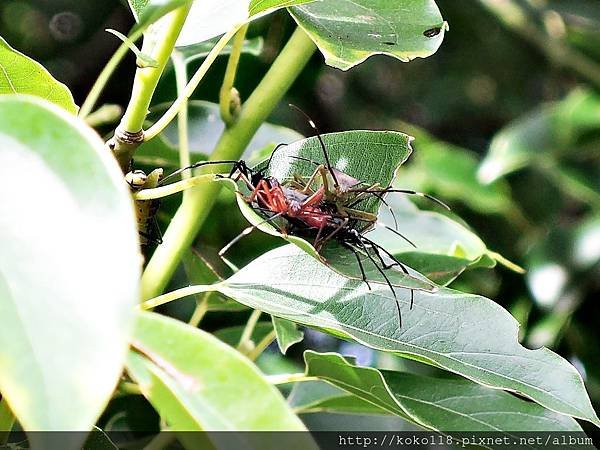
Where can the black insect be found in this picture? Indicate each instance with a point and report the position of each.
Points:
(432, 32)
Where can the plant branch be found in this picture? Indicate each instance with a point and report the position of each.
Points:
(229, 98)
(173, 188)
(192, 213)
(7, 421)
(180, 67)
(158, 45)
(262, 345)
(289, 378)
(249, 329)
(182, 99)
(177, 294)
(111, 65)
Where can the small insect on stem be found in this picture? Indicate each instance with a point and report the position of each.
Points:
(146, 210)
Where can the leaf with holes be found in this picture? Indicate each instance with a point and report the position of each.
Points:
(349, 31)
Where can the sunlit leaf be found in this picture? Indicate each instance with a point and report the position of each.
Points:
(466, 334)
(197, 382)
(69, 269)
(435, 403)
(20, 74)
(349, 31)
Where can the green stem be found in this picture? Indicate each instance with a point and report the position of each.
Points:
(181, 101)
(177, 294)
(159, 42)
(289, 378)
(182, 118)
(106, 73)
(200, 311)
(262, 345)
(229, 106)
(173, 188)
(192, 213)
(127, 387)
(7, 421)
(249, 329)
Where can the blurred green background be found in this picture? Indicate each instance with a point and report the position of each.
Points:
(507, 127)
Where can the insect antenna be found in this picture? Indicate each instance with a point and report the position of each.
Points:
(246, 232)
(406, 191)
(268, 166)
(314, 127)
(237, 164)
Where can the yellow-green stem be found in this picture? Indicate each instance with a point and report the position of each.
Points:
(228, 109)
(193, 212)
(177, 294)
(159, 42)
(249, 329)
(182, 118)
(262, 345)
(181, 101)
(105, 75)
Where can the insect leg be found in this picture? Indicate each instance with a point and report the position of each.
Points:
(380, 270)
(246, 232)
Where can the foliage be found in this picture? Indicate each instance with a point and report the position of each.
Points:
(519, 170)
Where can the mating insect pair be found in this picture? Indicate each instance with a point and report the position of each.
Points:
(325, 206)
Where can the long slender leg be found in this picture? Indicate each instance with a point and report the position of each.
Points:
(380, 270)
(396, 263)
(396, 232)
(360, 264)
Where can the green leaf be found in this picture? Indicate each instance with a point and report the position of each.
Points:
(147, 12)
(445, 248)
(69, 269)
(549, 132)
(436, 403)
(210, 18)
(287, 332)
(320, 396)
(466, 334)
(349, 31)
(20, 74)
(197, 382)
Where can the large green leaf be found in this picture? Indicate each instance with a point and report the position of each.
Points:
(20, 74)
(436, 403)
(466, 334)
(550, 132)
(349, 31)
(201, 50)
(197, 382)
(69, 269)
